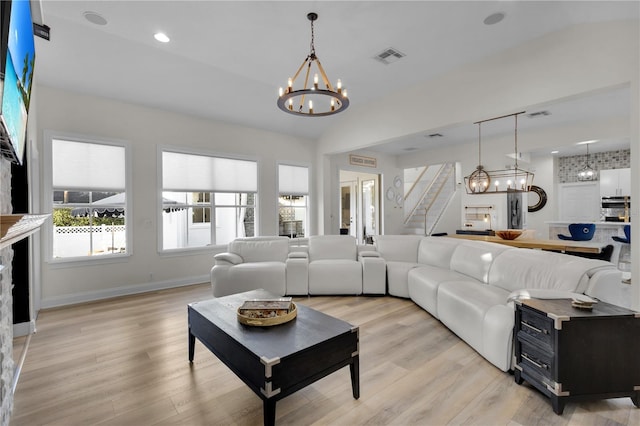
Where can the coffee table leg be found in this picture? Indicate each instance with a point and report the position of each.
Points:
(192, 346)
(354, 367)
(269, 411)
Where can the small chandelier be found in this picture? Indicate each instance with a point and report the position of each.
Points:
(587, 173)
(478, 181)
(513, 179)
(320, 100)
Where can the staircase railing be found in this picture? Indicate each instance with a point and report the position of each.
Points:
(424, 193)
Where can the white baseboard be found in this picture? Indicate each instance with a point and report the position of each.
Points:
(24, 328)
(72, 299)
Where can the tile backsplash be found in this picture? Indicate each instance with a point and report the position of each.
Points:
(568, 167)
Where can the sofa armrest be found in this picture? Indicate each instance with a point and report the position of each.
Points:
(546, 293)
(228, 259)
(606, 285)
(365, 247)
(369, 254)
(297, 271)
(374, 274)
(298, 255)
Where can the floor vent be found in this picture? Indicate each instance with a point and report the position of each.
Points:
(389, 56)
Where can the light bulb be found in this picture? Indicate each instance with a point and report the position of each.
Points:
(280, 91)
(339, 84)
(290, 83)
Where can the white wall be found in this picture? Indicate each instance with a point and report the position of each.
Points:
(386, 166)
(145, 129)
(544, 169)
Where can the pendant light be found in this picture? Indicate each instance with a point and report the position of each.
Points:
(511, 179)
(587, 173)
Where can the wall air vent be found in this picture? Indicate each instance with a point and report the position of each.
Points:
(389, 56)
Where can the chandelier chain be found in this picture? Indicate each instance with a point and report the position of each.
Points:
(479, 144)
(312, 51)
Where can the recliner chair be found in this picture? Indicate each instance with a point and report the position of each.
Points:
(579, 232)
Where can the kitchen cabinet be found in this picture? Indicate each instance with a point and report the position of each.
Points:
(615, 182)
(578, 202)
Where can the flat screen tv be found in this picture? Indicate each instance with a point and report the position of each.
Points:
(18, 77)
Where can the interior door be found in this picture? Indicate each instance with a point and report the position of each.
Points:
(348, 208)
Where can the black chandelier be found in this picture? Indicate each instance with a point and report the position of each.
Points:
(320, 100)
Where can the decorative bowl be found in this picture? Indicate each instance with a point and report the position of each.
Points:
(509, 234)
(267, 322)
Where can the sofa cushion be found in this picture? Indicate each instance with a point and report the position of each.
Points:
(260, 249)
(517, 269)
(250, 276)
(437, 251)
(462, 306)
(397, 273)
(322, 247)
(474, 258)
(398, 248)
(335, 276)
(423, 284)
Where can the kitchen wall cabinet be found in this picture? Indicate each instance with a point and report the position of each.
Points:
(615, 182)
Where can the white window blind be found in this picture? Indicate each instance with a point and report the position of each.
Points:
(201, 173)
(88, 166)
(293, 180)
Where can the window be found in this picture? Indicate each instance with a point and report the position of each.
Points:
(206, 200)
(88, 186)
(293, 189)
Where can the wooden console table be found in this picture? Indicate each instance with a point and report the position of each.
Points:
(572, 354)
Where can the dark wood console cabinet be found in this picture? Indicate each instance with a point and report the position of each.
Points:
(572, 354)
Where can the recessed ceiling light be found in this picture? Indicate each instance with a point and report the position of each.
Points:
(555, 152)
(587, 142)
(161, 37)
(494, 18)
(94, 18)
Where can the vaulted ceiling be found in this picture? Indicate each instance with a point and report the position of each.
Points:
(226, 59)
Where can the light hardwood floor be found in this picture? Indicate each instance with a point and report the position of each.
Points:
(124, 362)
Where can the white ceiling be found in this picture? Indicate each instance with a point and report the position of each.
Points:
(226, 59)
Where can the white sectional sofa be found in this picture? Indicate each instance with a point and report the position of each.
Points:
(468, 285)
(328, 264)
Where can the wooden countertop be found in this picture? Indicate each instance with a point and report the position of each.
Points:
(534, 243)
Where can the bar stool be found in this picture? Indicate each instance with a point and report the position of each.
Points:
(579, 232)
(624, 259)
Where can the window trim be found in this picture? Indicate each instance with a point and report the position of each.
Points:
(49, 136)
(159, 189)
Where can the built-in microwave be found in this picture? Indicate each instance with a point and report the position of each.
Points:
(615, 209)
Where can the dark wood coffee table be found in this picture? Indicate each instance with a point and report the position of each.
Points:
(279, 360)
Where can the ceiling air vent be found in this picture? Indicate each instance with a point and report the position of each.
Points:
(435, 135)
(389, 56)
(538, 114)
